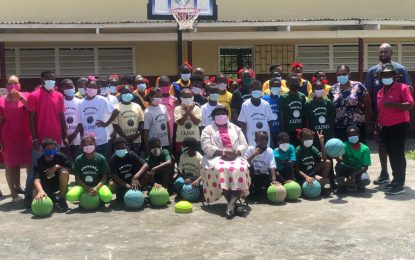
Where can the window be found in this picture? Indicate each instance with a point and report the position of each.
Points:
(233, 59)
(70, 61)
(408, 56)
(347, 55)
(314, 58)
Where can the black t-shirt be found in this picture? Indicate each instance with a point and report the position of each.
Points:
(199, 100)
(125, 168)
(42, 165)
(239, 96)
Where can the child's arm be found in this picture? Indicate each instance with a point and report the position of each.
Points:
(273, 176)
(119, 131)
(254, 153)
(135, 184)
(323, 147)
(74, 134)
(196, 182)
(194, 119)
(120, 181)
(181, 118)
(95, 189)
(40, 192)
(82, 184)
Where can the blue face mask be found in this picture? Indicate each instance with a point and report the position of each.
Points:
(49, 84)
(141, 87)
(127, 97)
(387, 81)
(69, 92)
(121, 153)
(343, 79)
(353, 139)
(257, 94)
(49, 152)
(113, 89)
(214, 97)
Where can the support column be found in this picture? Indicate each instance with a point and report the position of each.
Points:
(3, 64)
(190, 52)
(179, 47)
(361, 59)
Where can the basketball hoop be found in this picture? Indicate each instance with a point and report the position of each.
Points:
(185, 17)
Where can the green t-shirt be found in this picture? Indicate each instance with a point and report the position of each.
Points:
(291, 106)
(154, 161)
(356, 158)
(319, 114)
(91, 171)
(307, 159)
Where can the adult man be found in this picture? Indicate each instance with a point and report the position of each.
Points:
(373, 83)
(47, 120)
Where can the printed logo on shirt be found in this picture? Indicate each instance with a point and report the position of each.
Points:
(188, 125)
(69, 120)
(130, 122)
(259, 125)
(296, 113)
(321, 119)
(90, 119)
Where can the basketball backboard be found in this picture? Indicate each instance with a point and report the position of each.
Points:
(161, 9)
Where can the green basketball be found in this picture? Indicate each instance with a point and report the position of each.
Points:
(43, 207)
(74, 194)
(293, 190)
(89, 202)
(276, 193)
(159, 197)
(105, 194)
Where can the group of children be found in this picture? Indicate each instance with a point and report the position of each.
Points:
(112, 124)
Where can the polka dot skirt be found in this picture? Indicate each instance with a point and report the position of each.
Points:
(226, 175)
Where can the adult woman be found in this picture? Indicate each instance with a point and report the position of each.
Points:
(224, 171)
(348, 101)
(15, 135)
(394, 100)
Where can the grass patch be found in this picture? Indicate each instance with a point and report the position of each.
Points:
(410, 154)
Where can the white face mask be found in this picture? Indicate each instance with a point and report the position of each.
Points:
(221, 86)
(49, 84)
(104, 91)
(275, 91)
(196, 90)
(308, 143)
(284, 147)
(185, 77)
(319, 92)
(187, 101)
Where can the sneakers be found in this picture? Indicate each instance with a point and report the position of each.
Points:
(19, 190)
(390, 185)
(62, 204)
(396, 189)
(382, 179)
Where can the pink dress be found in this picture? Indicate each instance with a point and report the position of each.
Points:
(225, 175)
(15, 134)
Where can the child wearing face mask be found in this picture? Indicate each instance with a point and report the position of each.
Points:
(91, 171)
(73, 120)
(159, 163)
(128, 170)
(156, 121)
(185, 73)
(285, 158)
(262, 161)
(311, 163)
(52, 174)
(256, 114)
(225, 97)
(305, 85)
(243, 93)
(169, 101)
(80, 84)
(291, 109)
(189, 164)
(318, 112)
(273, 99)
(95, 111)
(354, 163)
(187, 116)
(129, 122)
(206, 110)
(198, 90)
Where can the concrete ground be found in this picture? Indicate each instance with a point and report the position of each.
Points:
(356, 226)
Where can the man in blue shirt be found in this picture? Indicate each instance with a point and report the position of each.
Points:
(373, 83)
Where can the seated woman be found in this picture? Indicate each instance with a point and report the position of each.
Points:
(224, 170)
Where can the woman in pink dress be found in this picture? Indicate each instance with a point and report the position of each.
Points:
(15, 135)
(223, 170)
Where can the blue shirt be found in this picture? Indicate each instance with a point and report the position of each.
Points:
(288, 155)
(274, 102)
(373, 85)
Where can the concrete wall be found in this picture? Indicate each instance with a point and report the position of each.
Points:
(136, 10)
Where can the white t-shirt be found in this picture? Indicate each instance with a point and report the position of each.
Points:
(92, 110)
(206, 110)
(73, 118)
(114, 101)
(262, 162)
(156, 121)
(256, 119)
(190, 165)
(188, 129)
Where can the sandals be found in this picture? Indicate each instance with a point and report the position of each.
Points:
(19, 190)
(17, 199)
